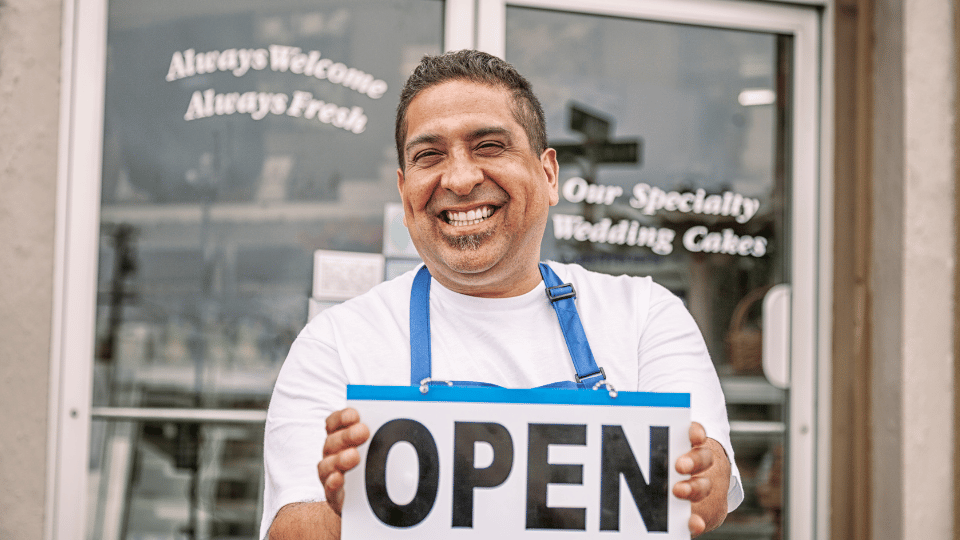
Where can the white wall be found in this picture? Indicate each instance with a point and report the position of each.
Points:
(913, 269)
(29, 107)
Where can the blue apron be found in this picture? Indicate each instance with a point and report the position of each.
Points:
(560, 295)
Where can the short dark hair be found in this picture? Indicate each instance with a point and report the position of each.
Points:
(479, 67)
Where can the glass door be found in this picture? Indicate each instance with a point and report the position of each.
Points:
(687, 154)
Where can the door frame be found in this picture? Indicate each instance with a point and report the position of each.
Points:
(76, 246)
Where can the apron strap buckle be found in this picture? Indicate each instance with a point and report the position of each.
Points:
(603, 376)
(561, 292)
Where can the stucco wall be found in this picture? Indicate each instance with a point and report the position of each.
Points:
(914, 265)
(29, 104)
(929, 266)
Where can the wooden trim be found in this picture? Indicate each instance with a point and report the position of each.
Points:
(850, 490)
(956, 272)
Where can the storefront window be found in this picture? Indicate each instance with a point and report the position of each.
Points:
(239, 139)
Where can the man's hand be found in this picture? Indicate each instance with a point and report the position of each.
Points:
(321, 520)
(344, 434)
(709, 468)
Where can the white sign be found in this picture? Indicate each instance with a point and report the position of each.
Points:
(504, 463)
(341, 275)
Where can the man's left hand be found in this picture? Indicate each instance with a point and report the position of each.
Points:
(706, 489)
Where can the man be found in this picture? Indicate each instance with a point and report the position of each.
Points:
(476, 180)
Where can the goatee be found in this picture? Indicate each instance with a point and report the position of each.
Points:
(467, 242)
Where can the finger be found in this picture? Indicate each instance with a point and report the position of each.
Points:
(333, 491)
(346, 438)
(697, 525)
(331, 470)
(333, 484)
(338, 463)
(695, 461)
(693, 490)
(341, 419)
(698, 435)
(331, 475)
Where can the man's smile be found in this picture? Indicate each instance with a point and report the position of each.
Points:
(469, 217)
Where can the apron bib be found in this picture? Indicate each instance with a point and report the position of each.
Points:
(560, 295)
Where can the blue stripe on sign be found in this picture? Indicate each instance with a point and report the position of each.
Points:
(514, 395)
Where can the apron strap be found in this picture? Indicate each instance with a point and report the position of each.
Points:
(420, 354)
(562, 296)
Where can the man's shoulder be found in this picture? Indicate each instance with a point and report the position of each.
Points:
(575, 273)
(607, 286)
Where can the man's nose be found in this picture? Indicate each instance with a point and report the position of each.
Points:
(462, 176)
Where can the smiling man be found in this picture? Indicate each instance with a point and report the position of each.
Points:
(475, 192)
(477, 180)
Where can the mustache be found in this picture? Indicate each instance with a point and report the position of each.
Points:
(483, 194)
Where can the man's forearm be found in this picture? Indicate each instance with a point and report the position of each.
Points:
(305, 521)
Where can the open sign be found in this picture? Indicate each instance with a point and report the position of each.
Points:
(479, 462)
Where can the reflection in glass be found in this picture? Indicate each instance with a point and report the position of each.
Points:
(239, 138)
(175, 480)
(672, 144)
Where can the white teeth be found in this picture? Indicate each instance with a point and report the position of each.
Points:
(460, 219)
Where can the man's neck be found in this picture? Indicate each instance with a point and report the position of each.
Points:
(483, 286)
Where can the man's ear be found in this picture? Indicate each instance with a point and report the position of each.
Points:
(548, 160)
(400, 189)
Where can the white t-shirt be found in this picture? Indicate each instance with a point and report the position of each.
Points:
(640, 333)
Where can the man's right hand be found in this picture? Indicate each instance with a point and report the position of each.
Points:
(345, 433)
(321, 520)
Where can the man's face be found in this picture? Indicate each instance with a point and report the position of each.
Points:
(475, 195)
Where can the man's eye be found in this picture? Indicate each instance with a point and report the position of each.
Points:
(426, 154)
(489, 147)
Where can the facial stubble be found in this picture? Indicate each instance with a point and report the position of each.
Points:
(467, 242)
